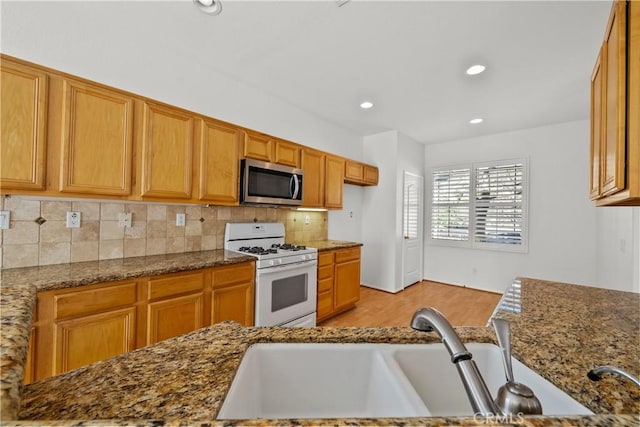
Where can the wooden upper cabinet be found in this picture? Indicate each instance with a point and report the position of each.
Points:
(258, 146)
(353, 171)
(596, 128)
(615, 115)
(360, 174)
(287, 153)
(97, 140)
(23, 114)
(334, 180)
(167, 152)
(370, 175)
(614, 100)
(219, 162)
(313, 178)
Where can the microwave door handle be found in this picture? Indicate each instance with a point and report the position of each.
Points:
(296, 183)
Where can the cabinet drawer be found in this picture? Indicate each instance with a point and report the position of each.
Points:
(175, 284)
(325, 304)
(325, 284)
(325, 258)
(239, 273)
(347, 255)
(94, 300)
(325, 272)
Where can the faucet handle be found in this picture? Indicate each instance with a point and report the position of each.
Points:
(503, 333)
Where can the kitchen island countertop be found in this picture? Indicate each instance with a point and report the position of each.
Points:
(559, 330)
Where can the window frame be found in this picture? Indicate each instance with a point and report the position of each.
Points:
(470, 243)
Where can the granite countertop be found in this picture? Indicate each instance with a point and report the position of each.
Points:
(328, 245)
(559, 330)
(19, 286)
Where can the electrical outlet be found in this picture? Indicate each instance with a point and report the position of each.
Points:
(5, 218)
(124, 220)
(307, 219)
(181, 220)
(73, 219)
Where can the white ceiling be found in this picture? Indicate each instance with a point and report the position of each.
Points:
(408, 57)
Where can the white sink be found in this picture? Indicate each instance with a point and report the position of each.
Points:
(431, 373)
(370, 381)
(319, 381)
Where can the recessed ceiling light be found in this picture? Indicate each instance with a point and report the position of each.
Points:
(212, 7)
(475, 69)
(366, 105)
(475, 121)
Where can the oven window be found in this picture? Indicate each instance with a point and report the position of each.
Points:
(288, 292)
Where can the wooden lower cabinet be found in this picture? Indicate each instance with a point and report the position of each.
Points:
(77, 326)
(175, 305)
(232, 294)
(338, 281)
(87, 339)
(347, 278)
(325, 284)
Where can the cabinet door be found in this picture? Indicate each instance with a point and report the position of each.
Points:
(614, 58)
(23, 109)
(234, 302)
(313, 180)
(75, 327)
(91, 338)
(370, 175)
(219, 163)
(596, 128)
(97, 140)
(174, 316)
(347, 278)
(334, 179)
(258, 146)
(287, 153)
(354, 171)
(167, 152)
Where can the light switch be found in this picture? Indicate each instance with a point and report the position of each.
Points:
(181, 220)
(5, 218)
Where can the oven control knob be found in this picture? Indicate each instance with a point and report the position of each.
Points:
(279, 261)
(271, 263)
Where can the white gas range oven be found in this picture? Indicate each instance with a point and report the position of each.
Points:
(286, 275)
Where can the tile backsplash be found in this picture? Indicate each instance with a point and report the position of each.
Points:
(38, 234)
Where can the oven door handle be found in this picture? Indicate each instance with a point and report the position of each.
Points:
(296, 186)
(286, 267)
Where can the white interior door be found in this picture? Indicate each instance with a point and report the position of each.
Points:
(412, 222)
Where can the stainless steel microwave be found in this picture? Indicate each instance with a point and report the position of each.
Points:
(269, 183)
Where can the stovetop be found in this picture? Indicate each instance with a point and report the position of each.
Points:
(265, 241)
(275, 248)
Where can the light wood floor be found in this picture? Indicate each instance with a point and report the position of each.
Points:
(462, 306)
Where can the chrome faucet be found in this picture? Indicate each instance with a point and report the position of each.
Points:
(429, 319)
(596, 374)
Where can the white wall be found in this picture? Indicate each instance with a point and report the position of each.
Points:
(618, 256)
(379, 213)
(345, 224)
(393, 153)
(562, 220)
